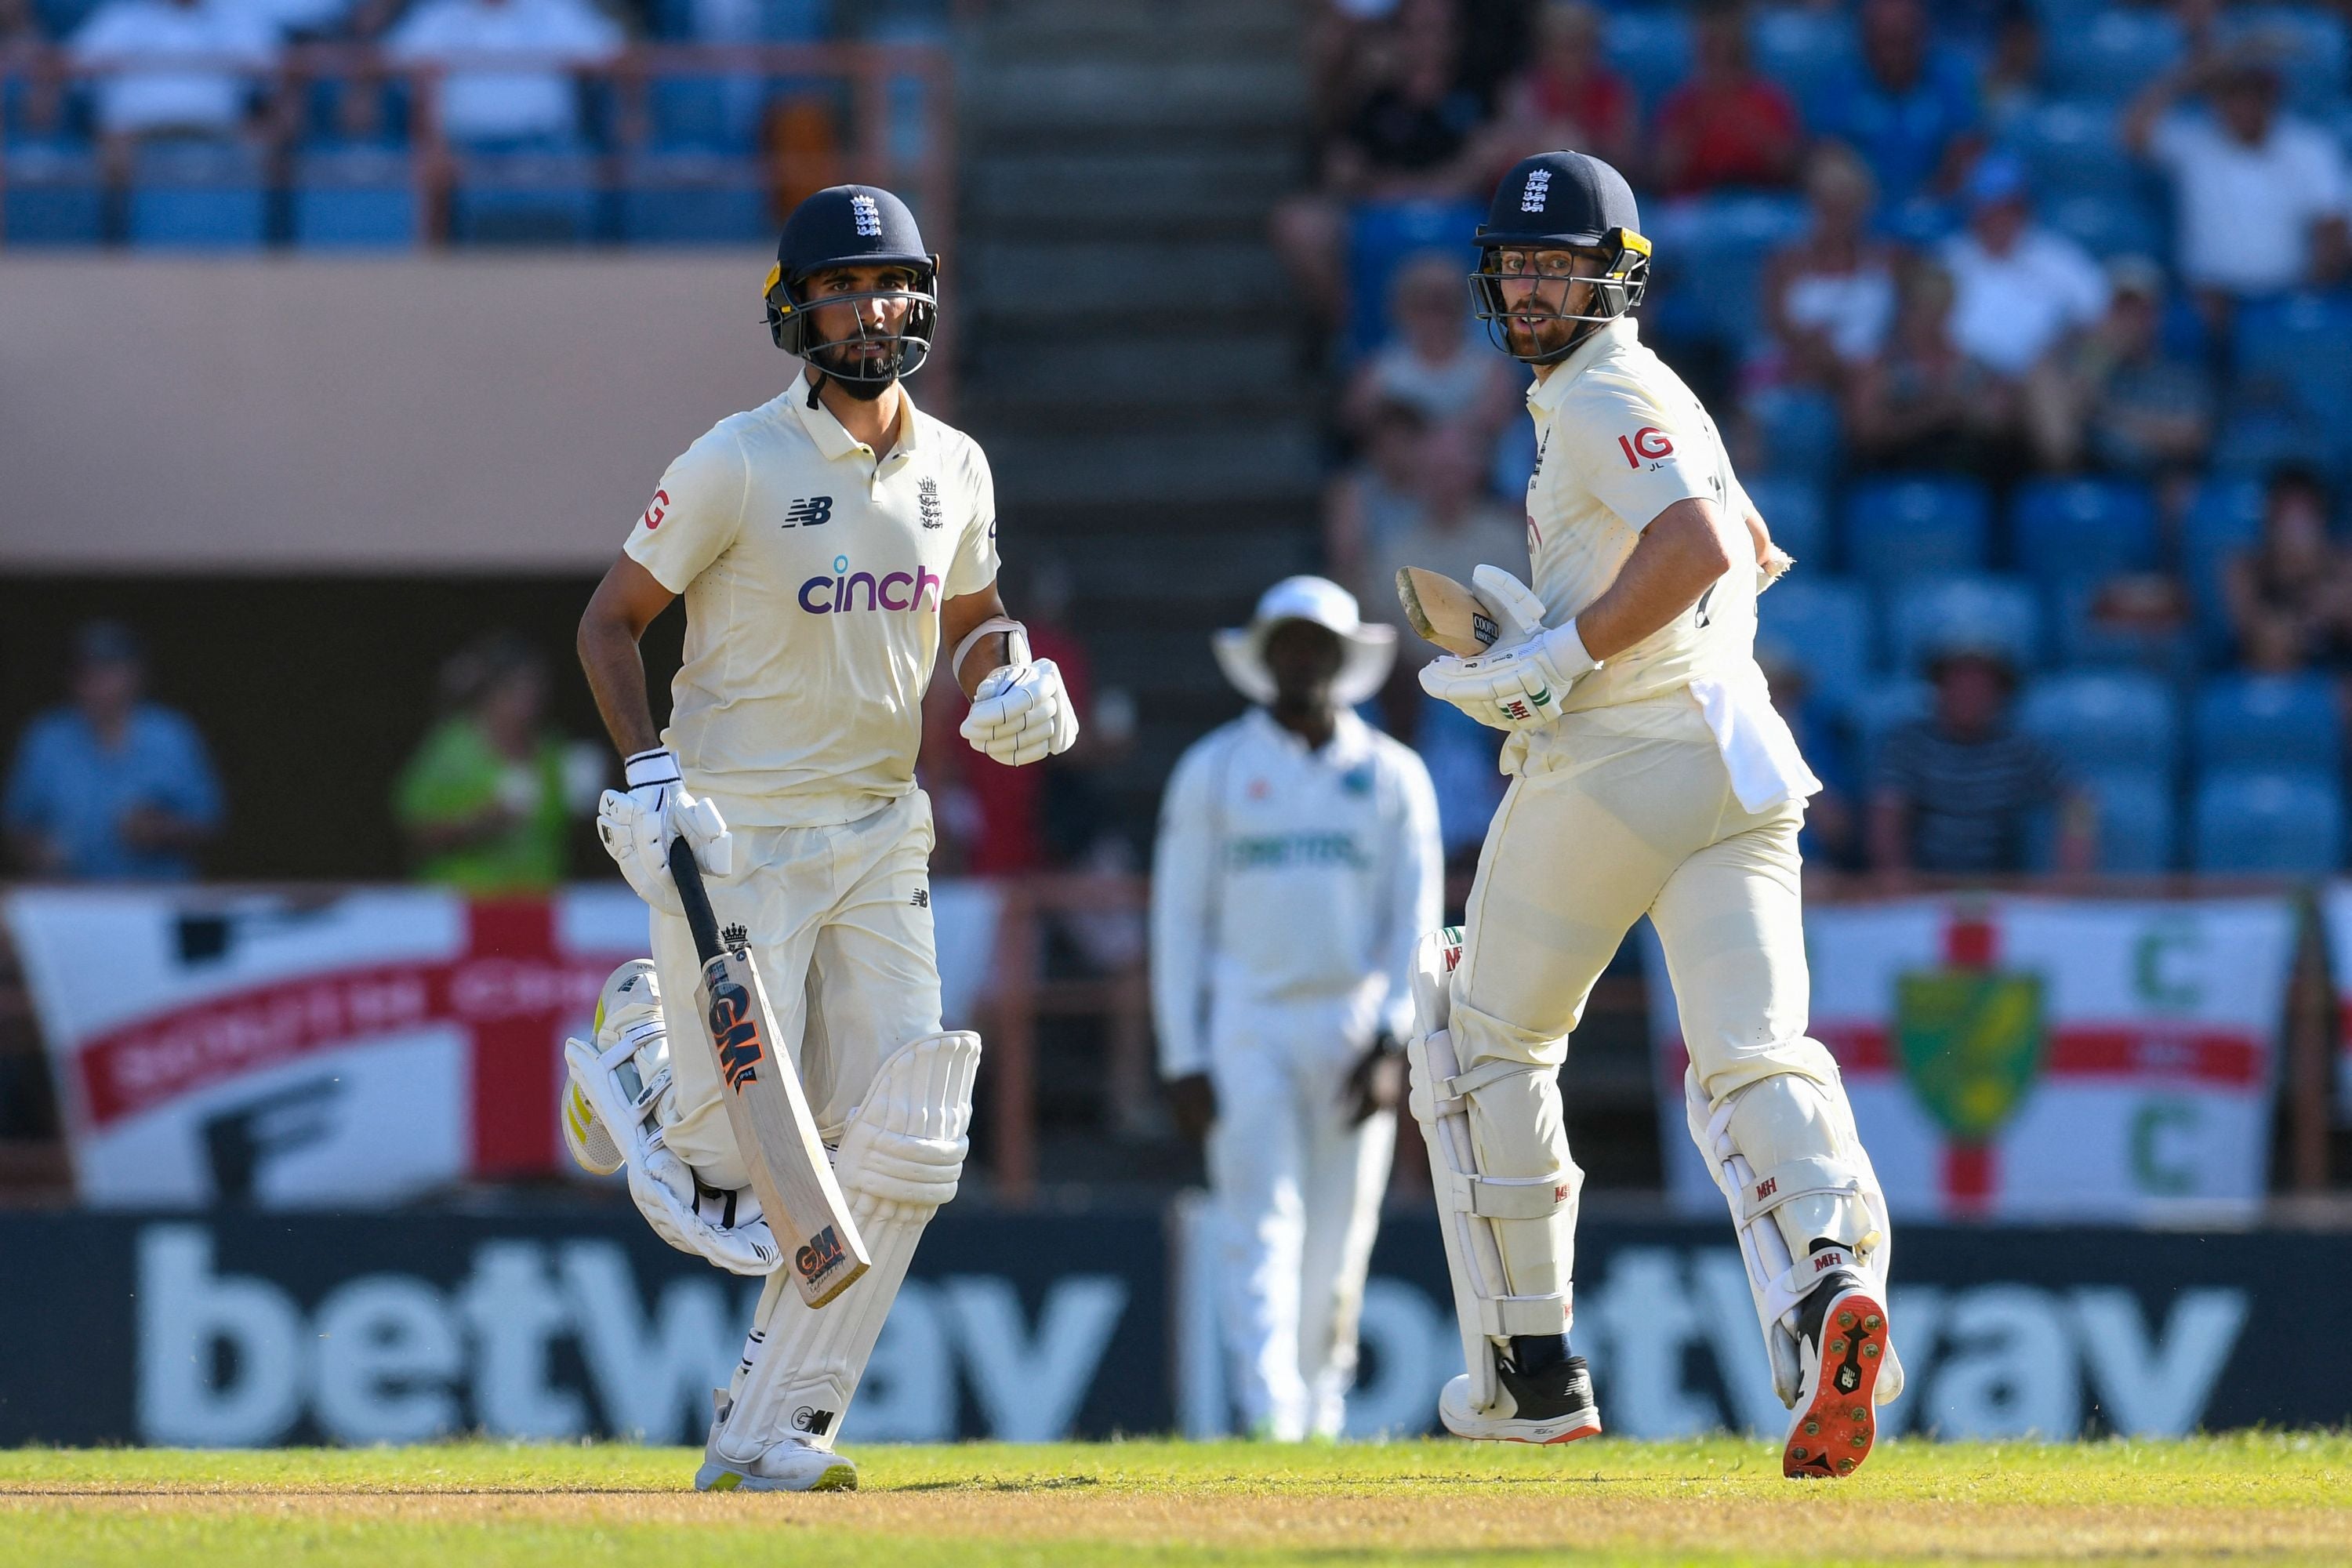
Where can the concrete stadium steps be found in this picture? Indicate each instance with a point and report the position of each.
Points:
(1148, 194)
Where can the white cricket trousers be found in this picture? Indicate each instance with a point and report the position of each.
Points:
(1617, 813)
(1297, 1189)
(838, 921)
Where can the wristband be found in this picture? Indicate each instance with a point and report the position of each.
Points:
(1016, 643)
(658, 766)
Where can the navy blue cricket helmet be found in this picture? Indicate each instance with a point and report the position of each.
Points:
(854, 225)
(1562, 201)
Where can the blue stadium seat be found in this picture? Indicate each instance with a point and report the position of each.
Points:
(1822, 624)
(58, 18)
(2138, 819)
(2109, 223)
(1796, 429)
(693, 200)
(2061, 529)
(707, 113)
(355, 198)
(1715, 247)
(2224, 515)
(2298, 351)
(1805, 50)
(2309, 46)
(1876, 710)
(2096, 720)
(1794, 509)
(197, 195)
(1932, 612)
(2275, 822)
(1898, 526)
(55, 195)
(2112, 53)
(2083, 638)
(2268, 721)
(524, 198)
(1381, 235)
(2253, 440)
(2075, 149)
(1652, 50)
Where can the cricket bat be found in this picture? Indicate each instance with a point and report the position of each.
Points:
(767, 1108)
(1445, 613)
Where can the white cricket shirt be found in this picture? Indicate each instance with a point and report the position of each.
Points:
(813, 577)
(1619, 438)
(1285, 879)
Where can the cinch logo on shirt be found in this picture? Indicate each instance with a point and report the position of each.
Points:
(892, 591)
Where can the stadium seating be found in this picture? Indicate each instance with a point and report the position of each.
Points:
(1712, 246)
(2268, 721)
(1794, 510)
(1824, 624)
(2308, 45)
(2108, 223)
(691, 200)
(2105, 720)
(54, 196)
(1652, 48)
(197, 195)
(2296, 352)
(2074, 149)
(528, 198)
(1796, 431)
(2268, 821)
(1381, 236)
(354, 198)
(2061, 529)
(1877, 709)
(2110, 53)
(1924, 613)
(1806, 50)
(2137, 819)
(1895, 528)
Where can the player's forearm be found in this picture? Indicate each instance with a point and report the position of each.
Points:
(617, 675)
(1680, 557)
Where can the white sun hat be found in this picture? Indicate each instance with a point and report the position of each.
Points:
(1370, 649)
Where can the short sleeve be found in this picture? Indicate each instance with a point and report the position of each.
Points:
(696, 511)
(1634, 458)
(974, 567)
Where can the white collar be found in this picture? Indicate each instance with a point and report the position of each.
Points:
(1546, 395)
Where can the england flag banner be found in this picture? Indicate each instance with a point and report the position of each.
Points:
(2039, 1059)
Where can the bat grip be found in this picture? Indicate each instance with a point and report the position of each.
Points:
(686, 872)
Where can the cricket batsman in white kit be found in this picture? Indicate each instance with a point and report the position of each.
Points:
(1298, 865)
(1651, 776)
(828, 546)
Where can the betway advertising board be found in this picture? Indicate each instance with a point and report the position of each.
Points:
(2037, 1059)
(255, 1329)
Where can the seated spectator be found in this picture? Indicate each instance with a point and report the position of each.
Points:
(1829, 295)
(1922, 404)
(111, 787)
(1910, 111)
(2259, 196)
(1728, 124)
(1457, 527)
(2118, 397)
(1375, 500)
(1570, 97)
(2010, 87)
(1437, 360)
(488, 799)
(2289, 593)
(535, 100)
(2019, 290)
(150, 92)
(1958, 794)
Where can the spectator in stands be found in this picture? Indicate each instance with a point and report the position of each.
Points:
(1829, 295)
(1959, 793)
(111, 786)
(1437, 360)
(1569, 97)
(2118, 397)
(2289, 593)
(2019, 292)
(2010, 87)
(1831, 838)
(175, 66)
(2259, 196)
(488, 799)
(1922, 404)
(1728, 124)
(532, 103)
(1910, 111)
(1458, 526)
(1375, 500)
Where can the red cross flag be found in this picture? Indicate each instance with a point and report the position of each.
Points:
(2040, 1059)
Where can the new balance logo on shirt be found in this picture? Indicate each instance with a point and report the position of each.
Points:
(809, 513)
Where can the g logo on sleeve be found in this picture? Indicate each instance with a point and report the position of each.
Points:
(656, 512)
(1648, 442)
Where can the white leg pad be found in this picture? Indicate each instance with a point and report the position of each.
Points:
(1800, 1194)
(1468, 1202)
(901, 1156)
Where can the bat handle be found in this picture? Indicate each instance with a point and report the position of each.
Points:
(686, 872)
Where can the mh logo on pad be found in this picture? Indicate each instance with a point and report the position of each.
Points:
(735, 1030)
(846, 590)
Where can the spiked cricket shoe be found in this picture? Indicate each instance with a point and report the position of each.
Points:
(1842, 1346)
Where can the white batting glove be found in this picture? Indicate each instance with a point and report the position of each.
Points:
(639, 827)
(1021, 713)
(1517, 688)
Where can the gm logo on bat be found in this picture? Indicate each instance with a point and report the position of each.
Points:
(821, 1257)
(735, 1028)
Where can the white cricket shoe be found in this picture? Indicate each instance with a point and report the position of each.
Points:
(792, 1466)
(628, 1010)
(1552, 1405)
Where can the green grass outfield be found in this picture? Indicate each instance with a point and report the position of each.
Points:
(2270, 1498)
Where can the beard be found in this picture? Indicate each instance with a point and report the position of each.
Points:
(851, 371)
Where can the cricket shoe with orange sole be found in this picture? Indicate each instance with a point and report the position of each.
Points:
(1842, 1347)
(1551, 1404)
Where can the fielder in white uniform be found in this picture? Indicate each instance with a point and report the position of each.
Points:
(1298, 864)
(1651, 776)
(828, 546)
